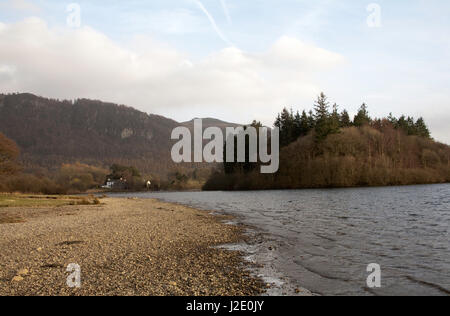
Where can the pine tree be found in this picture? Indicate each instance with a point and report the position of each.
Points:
(345, 119)
(411, 126)
(362, 118)
(278, 122)
(305, 127)
(302, 125)
(285, 122)
(246, 166)
(402, 123)
(335, 120)
(321, 108)
(393, 120)
(297, 125)
(422, 129)
(311, 120)
(322, 118)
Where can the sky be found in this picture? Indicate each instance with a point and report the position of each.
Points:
(236, 60)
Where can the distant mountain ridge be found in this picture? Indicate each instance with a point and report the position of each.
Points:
(211, 122)
(51, 132)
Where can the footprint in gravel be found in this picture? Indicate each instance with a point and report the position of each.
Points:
(70, 243)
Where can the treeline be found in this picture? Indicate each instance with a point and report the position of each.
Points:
(324, 122)
(52, 132)
(71, 178)
(326, 148)
(185, 179)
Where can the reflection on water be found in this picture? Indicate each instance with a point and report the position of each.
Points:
(325, 239)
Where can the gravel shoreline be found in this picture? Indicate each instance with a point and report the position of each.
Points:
(124, 247)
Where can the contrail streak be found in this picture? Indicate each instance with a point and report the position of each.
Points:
(225, 10)
(213, 23)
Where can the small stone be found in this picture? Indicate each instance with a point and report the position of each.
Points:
(297, 291)
(39, 249)
(17, 278)
(23, 272)
(173, 283)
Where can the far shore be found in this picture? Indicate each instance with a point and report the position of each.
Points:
(123, 247)
(106, 192)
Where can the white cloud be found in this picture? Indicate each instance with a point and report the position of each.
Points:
(68, 63)
(300, 55)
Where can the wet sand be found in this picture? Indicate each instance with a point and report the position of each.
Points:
(123, 247)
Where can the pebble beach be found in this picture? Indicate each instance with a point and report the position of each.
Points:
(123, 247)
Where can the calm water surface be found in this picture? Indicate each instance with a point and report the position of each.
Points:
(325, 239)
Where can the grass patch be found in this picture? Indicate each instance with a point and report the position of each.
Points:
(21, 200)
(7, 216)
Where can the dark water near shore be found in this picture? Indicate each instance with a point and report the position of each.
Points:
(325, 239)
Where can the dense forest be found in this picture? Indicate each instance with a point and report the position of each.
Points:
(79, 178)
(52, 132)
(51, 146)
(325, 148)
(85, 136)
(68, 178)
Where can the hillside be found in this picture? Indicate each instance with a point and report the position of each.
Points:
(319, 149)
(211, 122)
(52, 132)
(356, 156)
(325, 149)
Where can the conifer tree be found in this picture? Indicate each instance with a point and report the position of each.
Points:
(402, 123)
(411, 126)
(422, 129)
(321, 108)
(345, 119)
(335, 120)
(297, 125)
(392, 119)
(322, 118)
(285, 122)
(362, 118)
(311, 120)
(304, 124)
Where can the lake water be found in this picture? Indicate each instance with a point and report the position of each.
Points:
(323, 240)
